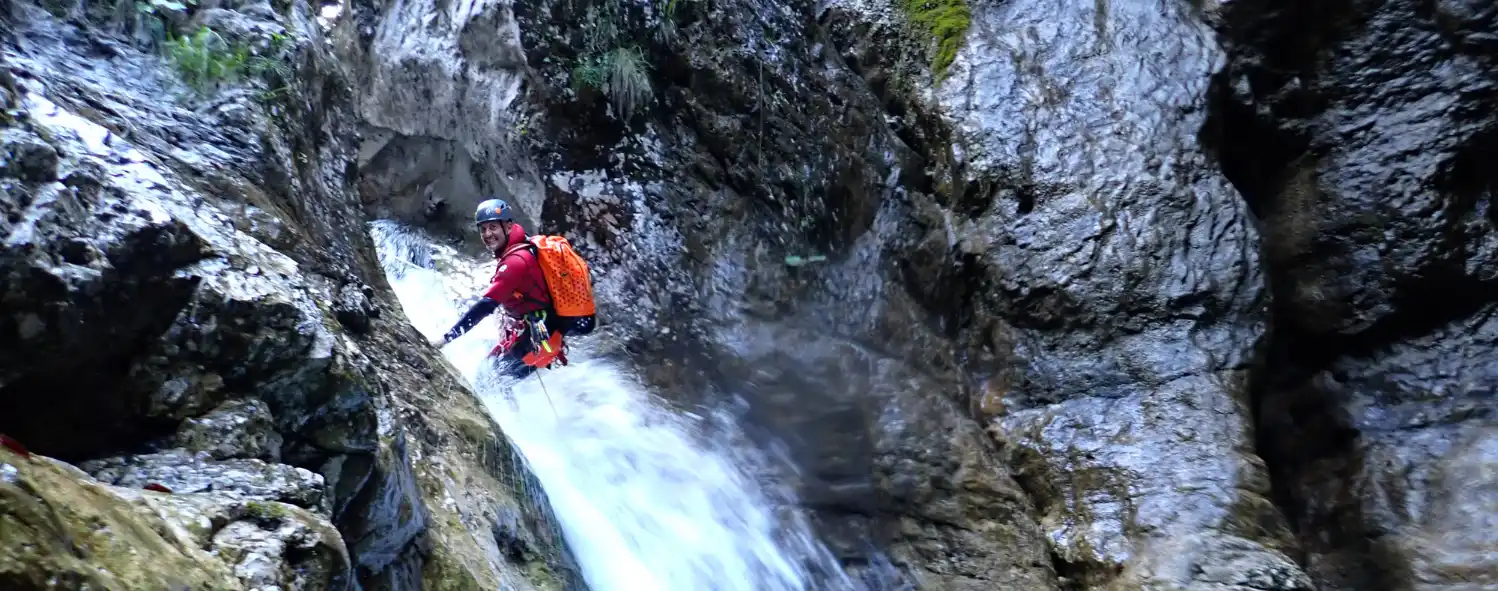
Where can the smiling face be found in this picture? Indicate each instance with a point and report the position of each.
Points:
(495, 234)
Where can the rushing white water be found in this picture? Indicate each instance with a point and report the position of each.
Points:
(645, 501)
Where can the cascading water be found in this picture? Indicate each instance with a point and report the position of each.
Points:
(644, 500)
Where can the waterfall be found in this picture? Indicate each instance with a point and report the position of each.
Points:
(646, 498)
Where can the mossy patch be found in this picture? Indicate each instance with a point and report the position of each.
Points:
(204, 59)
(946, 22)
(266, 512)
(58, 527)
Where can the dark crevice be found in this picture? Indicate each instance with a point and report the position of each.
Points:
(1073, 576)
(1281, 438)
(977, 194)
(1261, 108)
(1255, 150)
(1024, 199)
(76, 401)
(80, 413)
(949, 285)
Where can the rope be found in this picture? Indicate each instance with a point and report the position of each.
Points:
(548, 396)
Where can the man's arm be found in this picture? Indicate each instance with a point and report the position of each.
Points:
(504, 283)
(475, 314)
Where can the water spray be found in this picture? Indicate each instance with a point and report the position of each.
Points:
(548, 396)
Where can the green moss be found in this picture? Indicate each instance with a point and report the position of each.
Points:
(473, 431)
(542, 577)
(946, 21)
(204, 59)
(266, 511)
(59, 525)
(441, 573)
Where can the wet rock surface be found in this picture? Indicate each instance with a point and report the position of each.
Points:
(689, 201)
(1356, 131)
(793, 216)
(238, 478)
(236, 429)
(1104, 289)
(1148, 259)
(1385, 461)
(1102, 298)
(64, 528)
(192, 304)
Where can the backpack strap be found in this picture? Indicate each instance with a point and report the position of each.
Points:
(524, 245)
(536, 254)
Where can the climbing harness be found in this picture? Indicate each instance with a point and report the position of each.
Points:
(546, 348)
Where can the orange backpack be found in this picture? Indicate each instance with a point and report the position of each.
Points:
(566, 275)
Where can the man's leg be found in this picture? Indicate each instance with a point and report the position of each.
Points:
(491, 380)
(512, 363)
(508, 367)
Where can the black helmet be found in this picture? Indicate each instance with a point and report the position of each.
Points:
(492, 210)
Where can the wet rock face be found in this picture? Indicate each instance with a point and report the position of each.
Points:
(1375, 212)
(1357, 131)
(1383, 460)
(78, 259)
(414, 79)
(889, 472)
(140, 303)
(1096, 290)
(761, 142)
(1004, 250)
(758, 142)
(1059, 257)
(64, 528)
(236, 429)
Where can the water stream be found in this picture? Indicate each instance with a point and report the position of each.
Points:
(646, 498)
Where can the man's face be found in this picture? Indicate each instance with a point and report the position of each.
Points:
(495, 234)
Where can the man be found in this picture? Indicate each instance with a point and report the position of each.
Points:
(519, 286)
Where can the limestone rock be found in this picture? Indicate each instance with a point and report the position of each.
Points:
(1363, 149)
(64, 528)
(192, 300)
(236, 429)
(186, 473)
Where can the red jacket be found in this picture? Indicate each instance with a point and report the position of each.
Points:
(518, 284)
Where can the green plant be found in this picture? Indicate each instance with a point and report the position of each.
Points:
(946, 23)
(619, 70)
(621, 73)
(204, 59)
(665, 30)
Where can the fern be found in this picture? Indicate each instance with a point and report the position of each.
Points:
(607, 64)
(628, 83)
(204, 60)
(621, 73)
(588, 73)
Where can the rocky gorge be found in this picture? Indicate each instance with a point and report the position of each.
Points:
(1036, 295)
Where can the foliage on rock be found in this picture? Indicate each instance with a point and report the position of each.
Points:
(205, 60)
(611, 61)
(945, 23)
